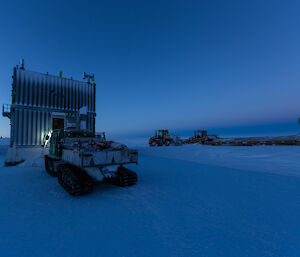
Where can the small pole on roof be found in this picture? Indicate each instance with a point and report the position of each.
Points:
(22, 64)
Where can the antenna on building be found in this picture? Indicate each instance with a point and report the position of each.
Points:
(89, 77)
(22, 64)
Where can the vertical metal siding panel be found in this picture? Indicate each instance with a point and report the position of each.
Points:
(33, 127)
(20, 127)
(35, 92)
(64, 94)
(94, 97)
(40, 91)
(67, 94)
(82, 87)
(89, 95)
(80, 95)
(49, 121)
(38, 127)
(74, 96)
(91, 98)
(60, 95)
(25, 89)
(18, 86)
(46, 92)
(77, 98)
(83, 94)
(37, 131)
(49, 92)
(87, 122)
(46, 123)
(42, 127)
(92, 103)
(12, 134)
(28, 90)
(86, 96)
(52, 82)
(25, 128)
(21, 87)
(54, 92)
(28, 85)
(70, 93)
(29, 127)
(16, 82)
(90, 123)
(57, 92)
(31, 95)
(16, 126)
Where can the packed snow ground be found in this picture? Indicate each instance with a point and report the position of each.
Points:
(189, 201)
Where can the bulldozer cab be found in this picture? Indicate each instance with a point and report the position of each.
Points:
(161, 132)
(200, 133)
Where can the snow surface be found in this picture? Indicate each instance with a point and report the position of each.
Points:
(189, 201)
(4, 141)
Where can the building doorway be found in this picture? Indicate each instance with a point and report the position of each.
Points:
(58, 123)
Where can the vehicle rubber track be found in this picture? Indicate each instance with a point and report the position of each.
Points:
(74, 181)
(49, 166)
(125, 177)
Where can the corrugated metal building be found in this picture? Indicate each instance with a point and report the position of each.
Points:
(42, 102)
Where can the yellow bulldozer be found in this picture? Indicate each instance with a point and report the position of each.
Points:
(162, 137)
(201, 136)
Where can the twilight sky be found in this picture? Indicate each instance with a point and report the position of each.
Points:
(164, 64)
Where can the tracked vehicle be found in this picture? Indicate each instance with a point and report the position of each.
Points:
(80, 158)
(201, 136)
(162, 137)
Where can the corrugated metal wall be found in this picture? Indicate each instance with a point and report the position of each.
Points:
(36, 96)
